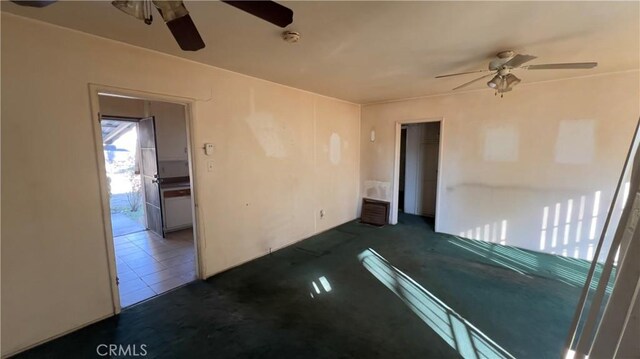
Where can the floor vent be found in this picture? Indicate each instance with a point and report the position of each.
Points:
(374, 212)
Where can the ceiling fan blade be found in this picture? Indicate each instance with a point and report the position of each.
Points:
(267, 10)
(473, 81)
(177, 18)
(462, 73)
(186, 33)
(518, 60)
(41, 3)
(572, 65)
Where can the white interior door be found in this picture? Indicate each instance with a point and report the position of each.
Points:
(429, 183)
(150, 180)
(412, 169)
(429, 146)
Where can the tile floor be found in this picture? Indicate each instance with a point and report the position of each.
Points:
(149, 265)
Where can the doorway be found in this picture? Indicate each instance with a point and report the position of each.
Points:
(417, 169)
(147, 168)
(122, 164)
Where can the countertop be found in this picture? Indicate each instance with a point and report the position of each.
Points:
(177, 185)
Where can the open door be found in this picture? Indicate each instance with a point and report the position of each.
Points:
(430, 146)
(150, 180)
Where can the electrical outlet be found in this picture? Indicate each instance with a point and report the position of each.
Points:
(321, 213)
(210, 166)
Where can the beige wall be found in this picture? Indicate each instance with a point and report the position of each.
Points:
(121, 106)
(281, 156)
(506, 159)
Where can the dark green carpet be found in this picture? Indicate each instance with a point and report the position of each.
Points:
(269, 308)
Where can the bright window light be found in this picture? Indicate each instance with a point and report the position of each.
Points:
(454, 329)
(315, 286)
(325, 284)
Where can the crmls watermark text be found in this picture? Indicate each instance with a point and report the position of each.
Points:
(122, 350)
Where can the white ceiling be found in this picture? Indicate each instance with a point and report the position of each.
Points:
(372, 51)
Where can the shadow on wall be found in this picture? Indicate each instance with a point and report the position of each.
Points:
(461, 335)
(569, 227)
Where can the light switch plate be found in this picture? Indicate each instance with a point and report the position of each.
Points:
(210, 166)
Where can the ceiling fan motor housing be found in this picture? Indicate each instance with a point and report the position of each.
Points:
(501, 58)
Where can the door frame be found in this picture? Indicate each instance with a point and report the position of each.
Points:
(94, 91)
(393, 214)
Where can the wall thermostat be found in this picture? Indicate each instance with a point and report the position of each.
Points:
(208, 149)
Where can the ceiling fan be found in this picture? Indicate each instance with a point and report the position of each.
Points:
(177, 18)
(506, 62)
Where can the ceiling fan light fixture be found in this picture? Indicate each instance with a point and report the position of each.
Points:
(133, 8)
(512, 80)
(494, 83)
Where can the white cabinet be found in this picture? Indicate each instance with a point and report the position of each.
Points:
(177, 210)
(173, 168)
